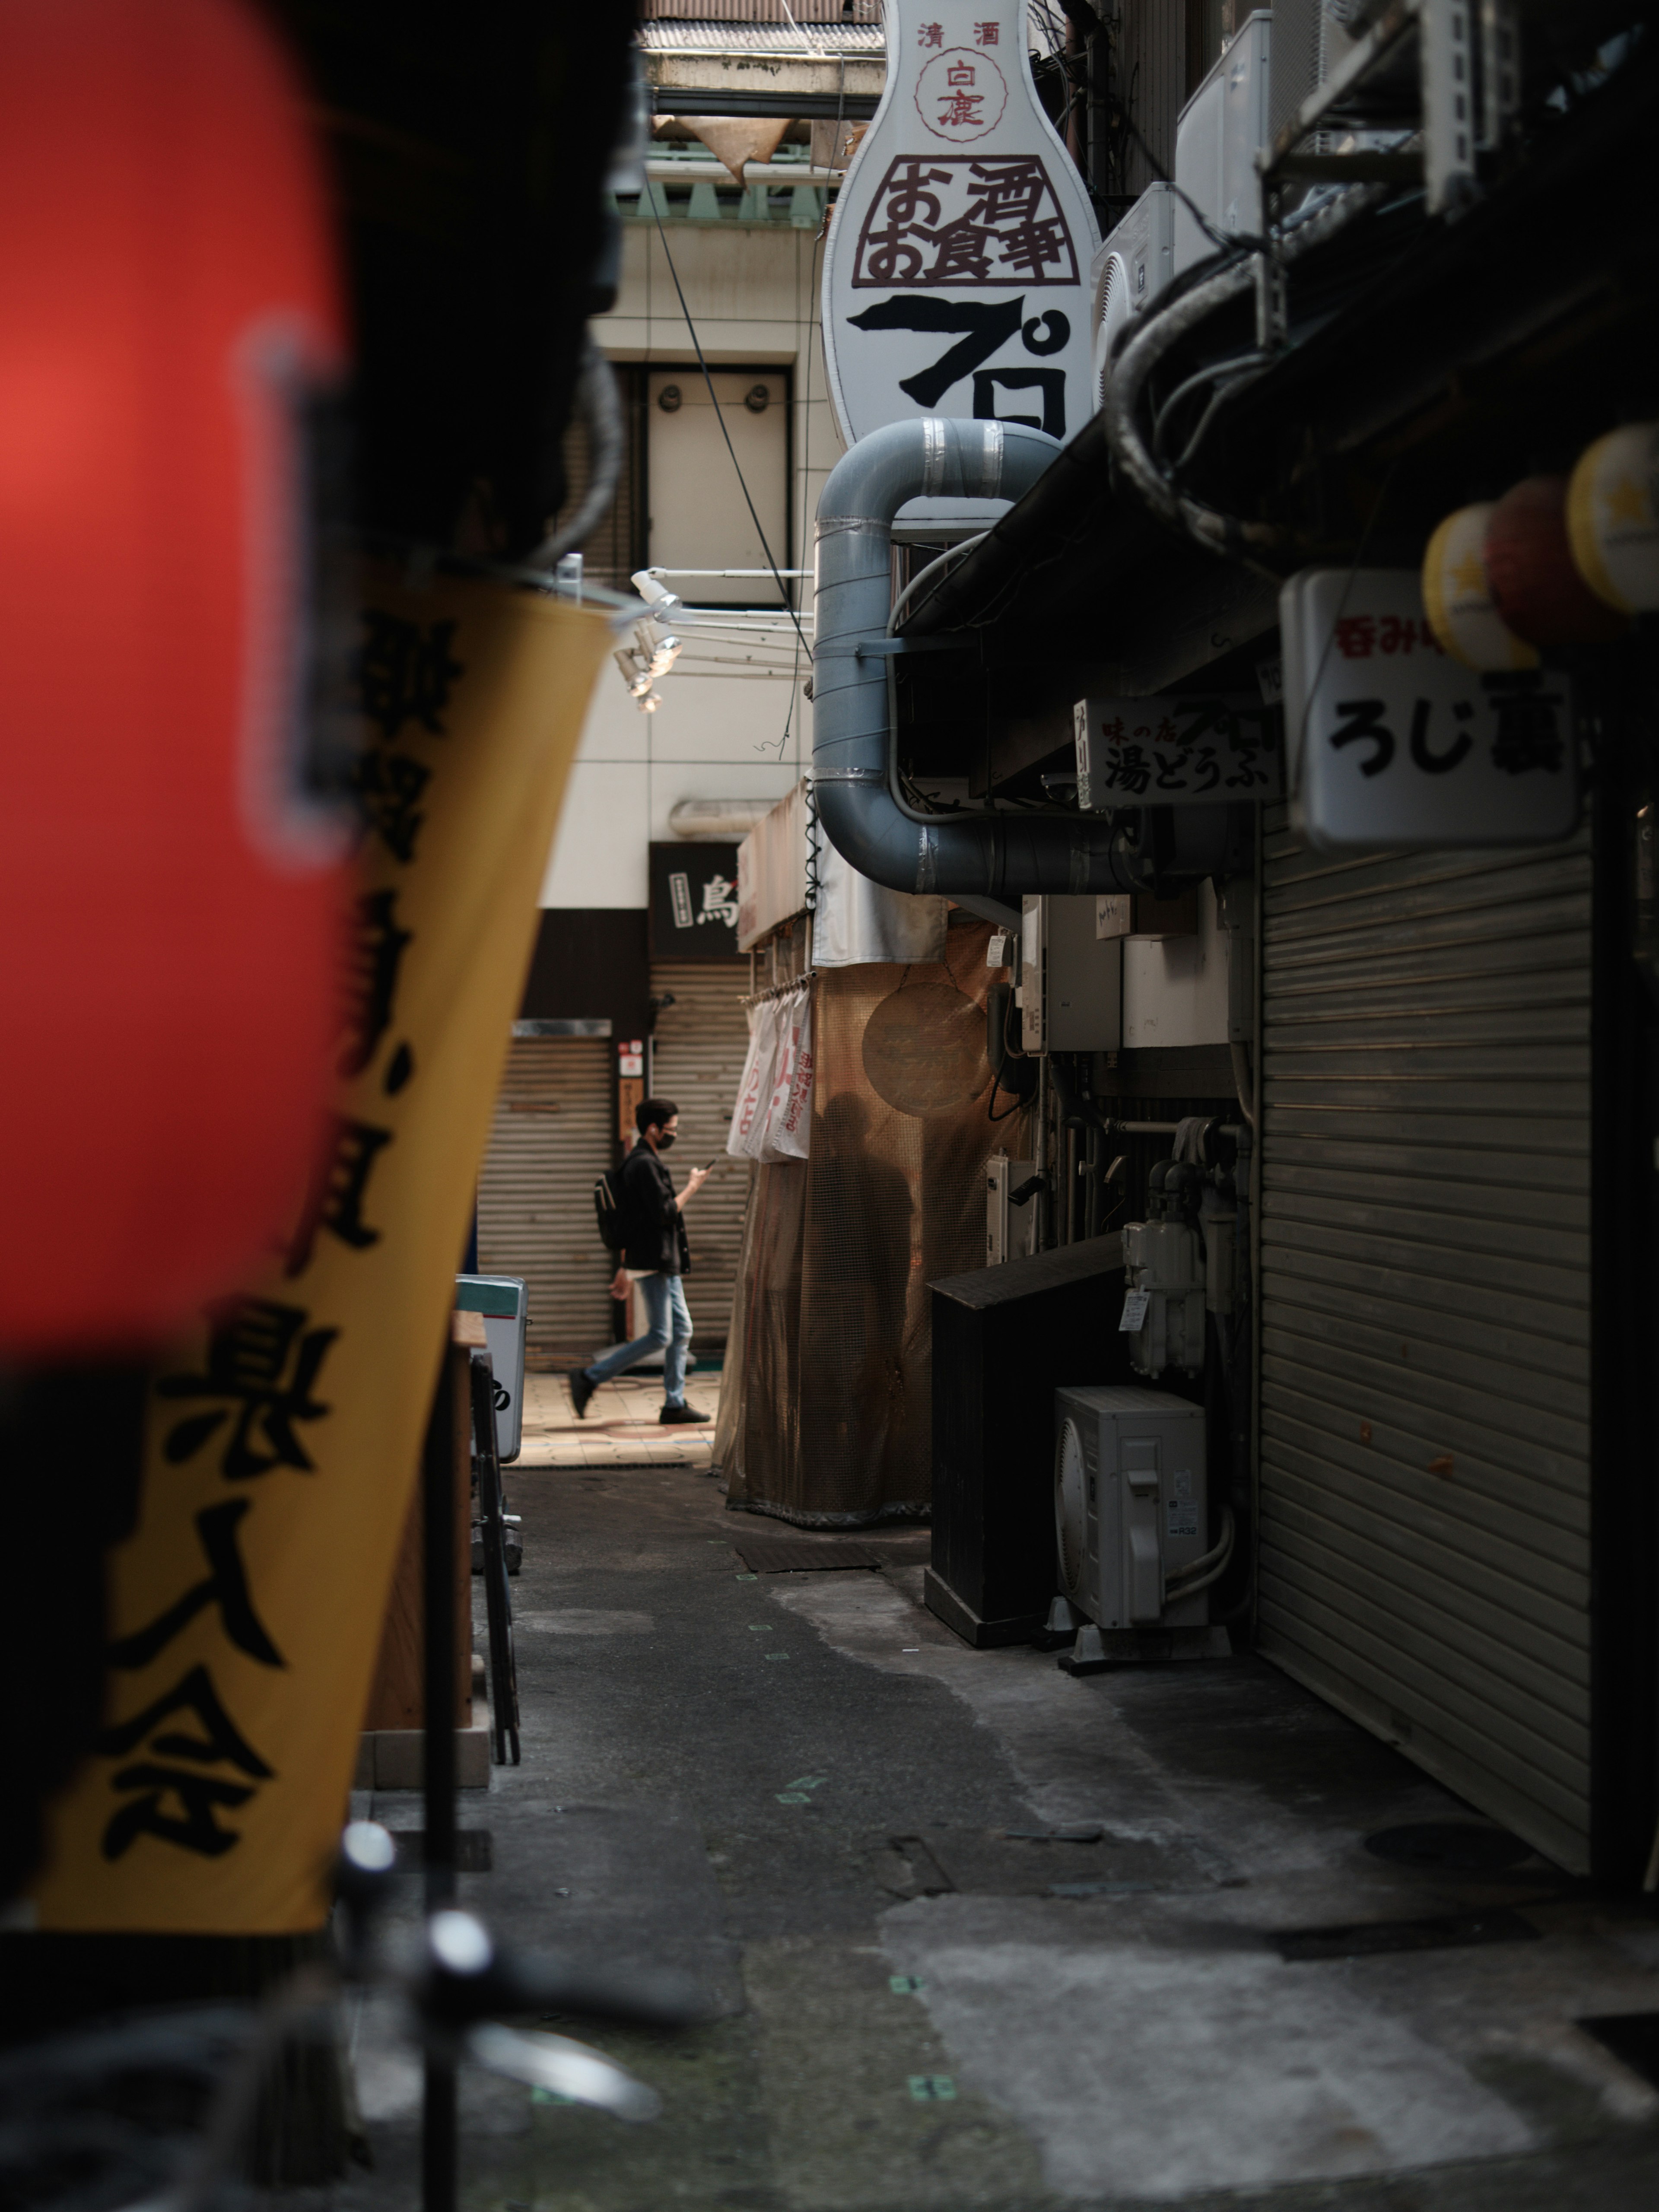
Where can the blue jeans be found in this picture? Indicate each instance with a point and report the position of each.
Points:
(669, 1333)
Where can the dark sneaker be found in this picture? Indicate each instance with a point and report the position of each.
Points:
(671, 1416)
(581, 1392)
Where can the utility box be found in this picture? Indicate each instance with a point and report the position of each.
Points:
(1009, 1227)
(1138, 913)
(1219, 134)
(1004, 1340)
(1071, 979)
(1130, 1513)
(501, 1301)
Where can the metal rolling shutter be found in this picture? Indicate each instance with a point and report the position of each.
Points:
(1425, 1457)
(551, 1138)
(698, 1052)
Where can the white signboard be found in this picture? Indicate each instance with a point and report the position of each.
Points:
(955, 280)
(1391, 741)
(1193, 750)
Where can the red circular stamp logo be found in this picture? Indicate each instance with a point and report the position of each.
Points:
(961, 95)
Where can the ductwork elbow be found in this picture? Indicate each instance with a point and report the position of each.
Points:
(1002, 859)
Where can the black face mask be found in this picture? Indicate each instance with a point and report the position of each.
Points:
(665, 1142)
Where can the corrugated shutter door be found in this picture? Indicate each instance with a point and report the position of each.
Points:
(1424, 1483)
(551, 1138)
(699, 1048)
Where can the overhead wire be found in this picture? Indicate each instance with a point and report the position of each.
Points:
(720, 417)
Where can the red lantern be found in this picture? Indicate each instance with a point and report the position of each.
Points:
(168, 898)
(1536, 584)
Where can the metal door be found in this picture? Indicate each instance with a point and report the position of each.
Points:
(698, 1049)
(551, 1139)
(1426, 1431)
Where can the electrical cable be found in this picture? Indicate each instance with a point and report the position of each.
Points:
(600, 404)
(696, 344)
(950, 553)
(1199, 377)
(1163, 326)
(1354, 567)
(1240, 383)
(806, 432)
(1009, 1051)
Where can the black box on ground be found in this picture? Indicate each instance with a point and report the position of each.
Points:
(1005, 1340)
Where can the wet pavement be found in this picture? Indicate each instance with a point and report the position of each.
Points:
(800, 1788)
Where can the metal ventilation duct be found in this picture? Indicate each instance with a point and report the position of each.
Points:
(987, 854)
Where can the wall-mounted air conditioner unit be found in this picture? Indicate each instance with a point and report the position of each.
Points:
(1217, 136)
(1132, 1521)
(1129, 271)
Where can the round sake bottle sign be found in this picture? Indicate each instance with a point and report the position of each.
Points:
(956, 278)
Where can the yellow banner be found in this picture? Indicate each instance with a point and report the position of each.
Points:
(284, 1437)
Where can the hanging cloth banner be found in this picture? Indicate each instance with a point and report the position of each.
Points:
(284, 1437)
(754, 1093)
(957, 274)
(788, 1114)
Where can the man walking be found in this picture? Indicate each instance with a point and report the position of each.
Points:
(655, 1255)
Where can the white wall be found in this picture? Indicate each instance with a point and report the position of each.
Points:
(1175, 988)
(752, 290)
(710, 738)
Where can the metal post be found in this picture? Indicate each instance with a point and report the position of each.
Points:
(439, 2135)
(1041, 1208)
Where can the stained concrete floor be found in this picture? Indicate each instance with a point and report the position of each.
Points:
(796, 1788)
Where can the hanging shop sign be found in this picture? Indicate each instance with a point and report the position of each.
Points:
(1392, 742)
(956, 279)
(285, 1432)
(694, 902)
(773, 872)
(1193, 750)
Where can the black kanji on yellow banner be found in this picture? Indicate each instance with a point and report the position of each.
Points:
(284, 1437)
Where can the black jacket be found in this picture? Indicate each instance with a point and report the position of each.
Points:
(651, 1222)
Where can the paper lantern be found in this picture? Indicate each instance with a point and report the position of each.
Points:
(169, 897)
(1457, 596)
(1612, 518)
(1535, 584)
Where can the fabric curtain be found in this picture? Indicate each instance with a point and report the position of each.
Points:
(825, 1414)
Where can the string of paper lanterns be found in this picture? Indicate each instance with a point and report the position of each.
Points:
(1559, 561)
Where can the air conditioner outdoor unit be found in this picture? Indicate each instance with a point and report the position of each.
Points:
(1129, 271)
(1219, 134)
(1133, 1526)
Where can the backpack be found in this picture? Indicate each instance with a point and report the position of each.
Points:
(608, 1207)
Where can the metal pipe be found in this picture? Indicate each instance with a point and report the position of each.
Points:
(1040, 1207)
(987, 856)
(439, 2110)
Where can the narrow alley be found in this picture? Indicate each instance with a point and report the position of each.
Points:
(829, 1290)
(976, 1934)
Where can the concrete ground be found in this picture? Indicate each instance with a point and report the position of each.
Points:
(622, 1427)
(798, 1787)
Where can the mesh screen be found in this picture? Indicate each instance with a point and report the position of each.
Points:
(825, 1414)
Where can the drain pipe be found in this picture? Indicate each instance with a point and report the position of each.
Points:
(985, 855)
